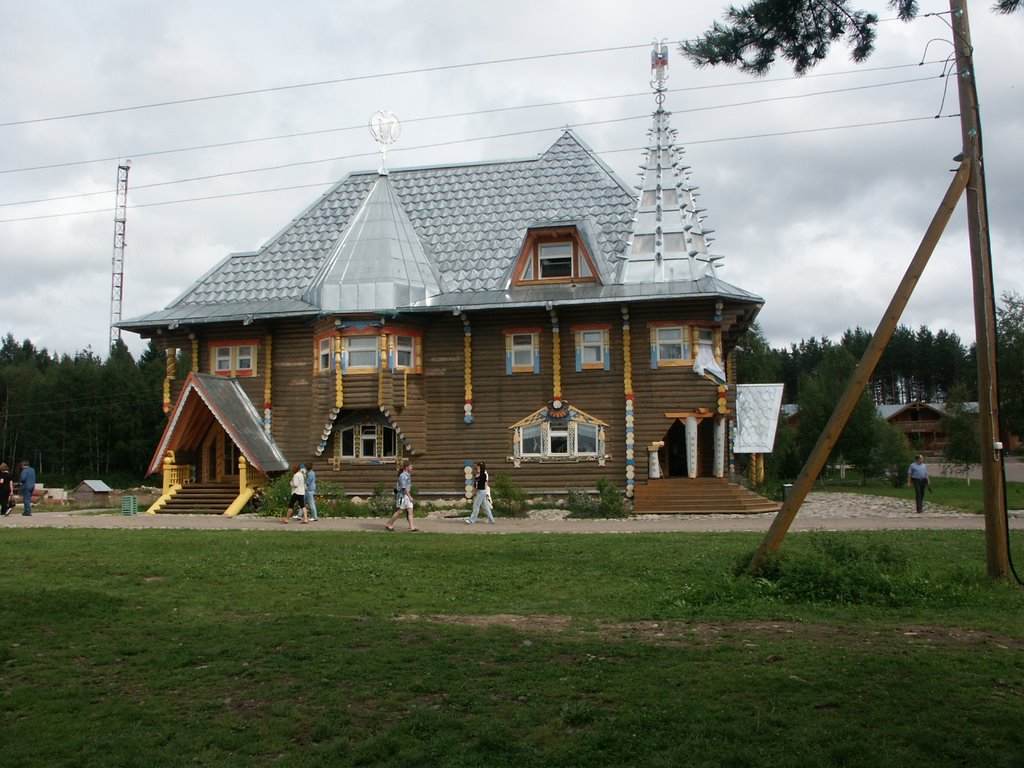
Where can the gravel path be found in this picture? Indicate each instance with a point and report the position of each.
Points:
(821, 511)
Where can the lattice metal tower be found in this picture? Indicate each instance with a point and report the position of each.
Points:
(117, 267)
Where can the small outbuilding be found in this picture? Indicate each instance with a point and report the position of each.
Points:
(92, 492)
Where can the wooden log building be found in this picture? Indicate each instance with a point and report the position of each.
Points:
(538, 315)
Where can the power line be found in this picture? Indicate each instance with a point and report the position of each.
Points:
(303, 134)
(299, 163)
(459, 141)
(318, 83)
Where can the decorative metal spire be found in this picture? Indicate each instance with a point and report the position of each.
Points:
(669, 239)
(659, 70)
(385, 129)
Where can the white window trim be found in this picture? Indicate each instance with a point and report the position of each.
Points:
(379, 438)
(572, 443)
(685, 346)
(232, 355)
(362, 348)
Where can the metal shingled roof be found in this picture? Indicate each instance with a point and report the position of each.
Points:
(467, 220)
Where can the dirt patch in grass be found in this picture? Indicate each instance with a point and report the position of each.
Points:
(711, 633)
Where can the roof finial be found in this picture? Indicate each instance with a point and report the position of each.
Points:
(385, 129)
(659, 70)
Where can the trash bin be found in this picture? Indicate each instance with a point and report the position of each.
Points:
(129, 505)
(787, 491)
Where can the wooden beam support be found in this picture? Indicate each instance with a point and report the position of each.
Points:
(858, 381)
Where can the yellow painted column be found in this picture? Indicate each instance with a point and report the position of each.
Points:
(556, 354)
(195, 351)
(467, 373)
(172, 370)
(339, 393)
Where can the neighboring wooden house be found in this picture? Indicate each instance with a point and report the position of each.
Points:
(92, 492)
(536, 314)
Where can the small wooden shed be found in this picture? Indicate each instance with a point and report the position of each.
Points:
(92, 492)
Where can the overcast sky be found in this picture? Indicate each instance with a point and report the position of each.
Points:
(818, 217)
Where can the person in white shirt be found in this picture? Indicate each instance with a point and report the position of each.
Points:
(298, 500)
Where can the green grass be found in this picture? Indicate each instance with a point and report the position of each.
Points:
(947, 491)
(231, 648)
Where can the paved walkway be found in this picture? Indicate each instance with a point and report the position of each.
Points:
(821, 511)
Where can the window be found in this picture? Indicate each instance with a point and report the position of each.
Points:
(531, 440)
(405, 352)
(522, 351)
(366, 441)
(592, 349)
(555, 260)
(555, 254)
(670, 345)
(558, 433)
(223, 360)
(234, 358)
(360, 352)
(558, 437)
(325, 354)
(586, 438)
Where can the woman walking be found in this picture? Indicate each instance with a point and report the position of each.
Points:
(483, 495)
(298, 499)
(403, 497)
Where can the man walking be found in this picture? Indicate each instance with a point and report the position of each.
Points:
(918, 476)
(28, 485)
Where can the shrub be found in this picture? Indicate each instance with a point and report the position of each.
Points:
(273, 500)
(610, 503)
(581, 504)
(507, 497)
(382, 502)
(837, 570)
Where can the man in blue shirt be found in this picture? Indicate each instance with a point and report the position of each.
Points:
(28, 485)
(311, 491)
(918, 476)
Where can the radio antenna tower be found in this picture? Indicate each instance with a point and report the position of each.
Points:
(117, 268)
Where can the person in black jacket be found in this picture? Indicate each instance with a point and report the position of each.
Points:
(483, 495)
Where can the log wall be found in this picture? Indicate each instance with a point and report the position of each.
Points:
(428, 407)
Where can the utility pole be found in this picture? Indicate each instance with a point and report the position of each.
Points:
(992, 477)
(117, 267)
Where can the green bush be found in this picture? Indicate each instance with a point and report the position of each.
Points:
(581, 504)
(836, 571)
(610, 502)
(382, 502)
(507, 497)
(273, 500)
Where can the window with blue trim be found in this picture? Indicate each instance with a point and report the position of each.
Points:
(522, 352)
(593, 351)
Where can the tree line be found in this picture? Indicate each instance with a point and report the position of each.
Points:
(77, 417)
(915, 366)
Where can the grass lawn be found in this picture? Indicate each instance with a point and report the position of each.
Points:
(231, 648)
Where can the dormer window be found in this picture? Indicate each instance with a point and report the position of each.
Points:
(555, 255)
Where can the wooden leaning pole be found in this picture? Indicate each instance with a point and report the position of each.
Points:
(855, 387)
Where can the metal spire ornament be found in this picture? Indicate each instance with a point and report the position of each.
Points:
(659, 70)
(385, 129)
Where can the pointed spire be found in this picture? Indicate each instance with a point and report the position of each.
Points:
(669, 241)
(379, 262)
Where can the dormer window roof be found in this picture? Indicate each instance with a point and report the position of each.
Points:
(554, 255)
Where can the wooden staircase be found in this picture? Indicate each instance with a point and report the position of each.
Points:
(698, 496)
(202, 499)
